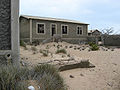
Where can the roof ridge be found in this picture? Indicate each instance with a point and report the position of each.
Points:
(50, 18)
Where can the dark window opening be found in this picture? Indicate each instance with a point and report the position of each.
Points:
(64, 29)
(79, 31)
(53, 29)
(41, 28)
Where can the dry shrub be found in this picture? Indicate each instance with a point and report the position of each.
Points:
(33, 48)
(14, 78)
(49, 78)
(61, 51)
(44, 52)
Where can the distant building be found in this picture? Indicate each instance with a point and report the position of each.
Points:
(94, 33)
(40, 28)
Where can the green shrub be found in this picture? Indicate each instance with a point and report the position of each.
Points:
(61, 51)
(94, 47)
(91, 43)
(22, 43)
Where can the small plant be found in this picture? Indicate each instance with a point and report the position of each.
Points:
(58, 46)
(44, 52)
(34, 52)
(61, 51)
(75, 48)
(112, 49)
(33, 48)
(41, 50)
(54, 45)
(22, 43)
(70, 46)
(91, 43)
(47, 47)
(63, 56)
(36, 42)
(94, 47)
(68, 55)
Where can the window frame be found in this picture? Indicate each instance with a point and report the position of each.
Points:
(79, 30)
(67, 29)
(37, 28)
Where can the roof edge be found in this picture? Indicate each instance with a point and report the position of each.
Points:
(52, 19)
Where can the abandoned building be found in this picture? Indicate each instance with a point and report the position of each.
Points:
(34, 28)
(94, 36)
(94, 33)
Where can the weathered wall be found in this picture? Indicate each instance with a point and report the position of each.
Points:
(112, 40)
(9, 30)
(71, 29)
(24, 29)
(71, 36)
(94, 38)
(5, 25)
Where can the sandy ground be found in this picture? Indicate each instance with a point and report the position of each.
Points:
(105, 76)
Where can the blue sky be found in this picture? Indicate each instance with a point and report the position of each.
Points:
(99, 14)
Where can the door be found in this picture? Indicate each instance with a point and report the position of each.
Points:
(53, 29)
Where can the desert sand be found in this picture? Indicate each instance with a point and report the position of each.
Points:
(105, 76)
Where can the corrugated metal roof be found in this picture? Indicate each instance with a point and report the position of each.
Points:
(52, 19)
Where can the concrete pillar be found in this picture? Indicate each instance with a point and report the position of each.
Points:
(31, 31)
(9, 31)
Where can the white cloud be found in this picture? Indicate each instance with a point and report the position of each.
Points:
(91, 11)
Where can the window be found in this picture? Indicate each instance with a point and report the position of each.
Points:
(79, 30)
(64, 29)
(41, 28)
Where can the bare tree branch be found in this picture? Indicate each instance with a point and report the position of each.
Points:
(108, 31)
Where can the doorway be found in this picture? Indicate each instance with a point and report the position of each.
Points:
(53, 29)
